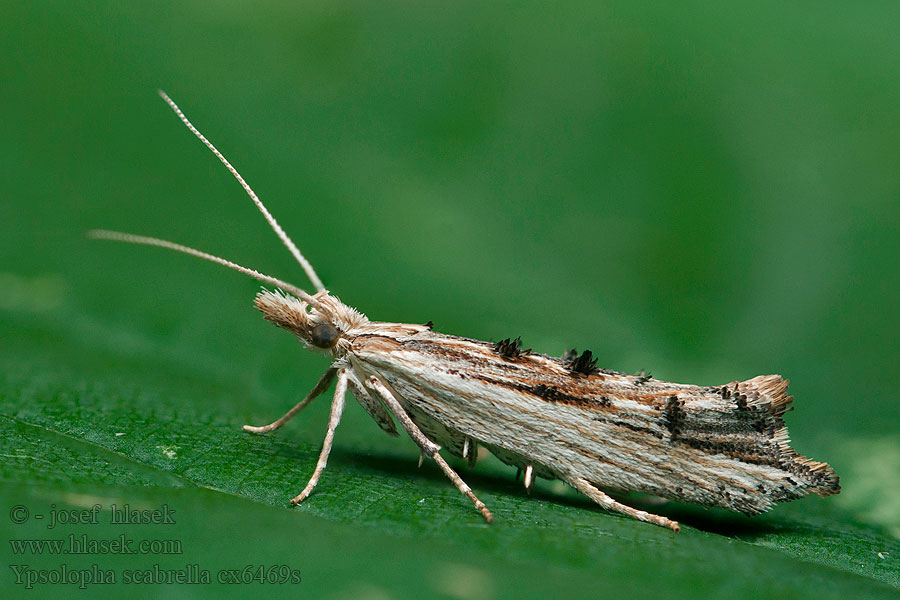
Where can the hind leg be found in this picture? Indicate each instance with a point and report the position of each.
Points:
(586, 488)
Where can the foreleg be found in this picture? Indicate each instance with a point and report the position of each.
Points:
(320, 387)
(337, 408)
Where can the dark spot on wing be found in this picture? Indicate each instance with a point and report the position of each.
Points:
(642, 377)
(727, 393)
(554, 394)
(631, 426)
(509, 348)
(673, 414)
(585, 364)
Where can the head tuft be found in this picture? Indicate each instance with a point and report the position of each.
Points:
(321, 325)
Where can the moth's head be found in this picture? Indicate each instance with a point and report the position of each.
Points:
(322, 325)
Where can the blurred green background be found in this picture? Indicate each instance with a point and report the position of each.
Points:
(708, 192)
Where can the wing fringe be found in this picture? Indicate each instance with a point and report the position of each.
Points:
(768, 395)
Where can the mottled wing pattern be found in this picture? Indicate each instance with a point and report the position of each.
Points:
(717, 446)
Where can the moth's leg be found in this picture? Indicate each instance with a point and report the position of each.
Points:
(470, 451)
(323, 384)
(337, 408)
(428, 447)
(371, 405)
(586, 488)
(529, 478)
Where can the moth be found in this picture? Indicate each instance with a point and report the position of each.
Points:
(552, 417)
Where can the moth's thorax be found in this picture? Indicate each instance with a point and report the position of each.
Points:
(326, 326)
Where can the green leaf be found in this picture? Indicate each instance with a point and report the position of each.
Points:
(707, 193)
(147, 436)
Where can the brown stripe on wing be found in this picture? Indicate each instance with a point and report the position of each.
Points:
(741, 420)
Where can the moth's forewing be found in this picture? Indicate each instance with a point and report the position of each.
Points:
(717, 446)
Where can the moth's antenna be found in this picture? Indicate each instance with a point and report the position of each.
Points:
(103, 234)
(285, 239)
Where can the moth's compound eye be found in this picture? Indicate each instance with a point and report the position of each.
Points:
(325, 335)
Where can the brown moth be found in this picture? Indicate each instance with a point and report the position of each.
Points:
(557, 418)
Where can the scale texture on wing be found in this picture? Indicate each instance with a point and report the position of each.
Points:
(717, 446)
